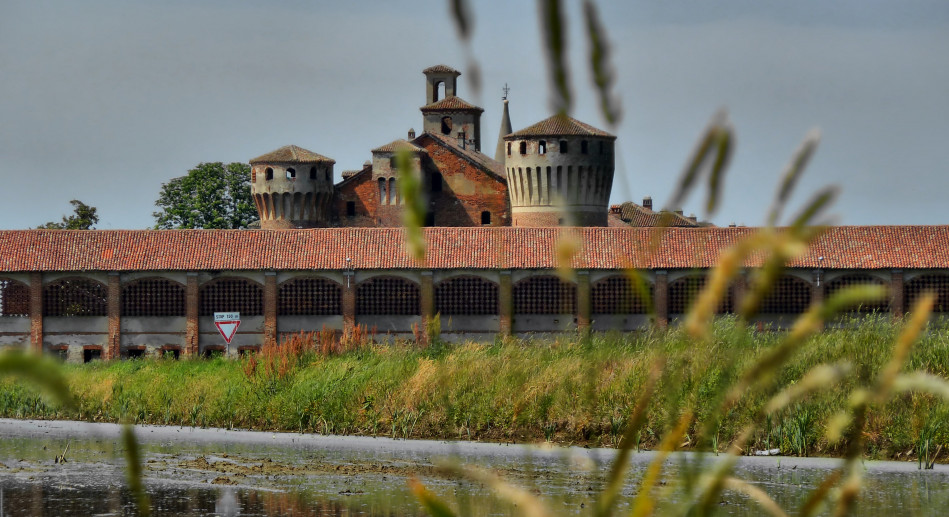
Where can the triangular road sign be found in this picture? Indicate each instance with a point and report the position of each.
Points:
(227, 329)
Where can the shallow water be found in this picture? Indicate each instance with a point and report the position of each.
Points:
(219, 472)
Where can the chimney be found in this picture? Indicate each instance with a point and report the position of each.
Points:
(679, 212)
(411, 133)
(647, 202)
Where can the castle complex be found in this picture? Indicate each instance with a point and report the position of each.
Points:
(331, 254)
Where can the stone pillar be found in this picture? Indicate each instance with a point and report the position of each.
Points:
(505, 304)
(270, 307)
(192, 334)
(583, 300)
(113, 348)
(897, 297)
(661, 296)
(36, 312)
(349, 302)
(427, 293)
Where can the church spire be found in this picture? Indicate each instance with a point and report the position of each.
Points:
(506, 129)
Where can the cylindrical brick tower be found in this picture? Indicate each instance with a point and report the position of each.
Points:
(559, 173)
(292, 188)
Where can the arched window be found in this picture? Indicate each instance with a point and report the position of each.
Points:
(231, 295)
(466, 295)
(446, 125)
(937, 283)
(75, 297)
(387, 295)
(393, 192)
(789, 295)
(153, 297)
(312, 173)
(14, 298)
(545, 295)
(382, 191)
(436, 182)
(485, 217)
(309, 296)
(859, 279)
(269, 172)
(617, 295)
(291, 173)
(683, 291)
(523, 147)
(438, 91)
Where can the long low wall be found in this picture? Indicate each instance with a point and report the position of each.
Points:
(87, 315)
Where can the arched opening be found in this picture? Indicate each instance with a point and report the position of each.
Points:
(269, 172)
(312, 173)
(859, 279)
(309, 297)
(683, 291)
(446, 126)
(393, 192)
(291, 173)
(545, 295)
(231, 295)
(789, 295)
(382, 191)
(438, 91)
(468, 295)
(14, 298)
(485, 217)
(937, 283)
(387, 295)
(75, 297)
(153, 297)
(509, 148)
(618, 295)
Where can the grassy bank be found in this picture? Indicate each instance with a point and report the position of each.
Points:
(568, 390)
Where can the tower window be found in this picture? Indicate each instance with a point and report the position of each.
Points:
(446, 125)
(542, 147)
(584, 147)
(312, 173)
(393, 192)
(350, 208)
(291, 173)
(485, 217)
(382, 191)
(439, 91)
(523, 147)
(392, 163)
(509, 148)
(563, 147)
(269, 174)
(436, 182)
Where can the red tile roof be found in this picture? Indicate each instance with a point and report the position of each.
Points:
(440, 69)
(291, 154)
(559, 125)
(845, 247)
(636, 215)
(397, 145)
(451, 103)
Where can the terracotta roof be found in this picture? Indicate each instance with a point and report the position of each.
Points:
(440, 69)
(845, 247)
(451, 103)
(291, 154)
(558, 125)
(640, 216)
(397, 145)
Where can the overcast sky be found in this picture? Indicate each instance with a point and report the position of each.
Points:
(104, 100)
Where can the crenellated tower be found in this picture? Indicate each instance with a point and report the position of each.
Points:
(292, 188)
(559, 172)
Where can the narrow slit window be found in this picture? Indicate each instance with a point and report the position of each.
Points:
(563, 147)
(584, 147)
(509, 148)
(523, 147)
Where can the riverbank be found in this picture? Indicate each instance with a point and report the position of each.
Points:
(567, 391)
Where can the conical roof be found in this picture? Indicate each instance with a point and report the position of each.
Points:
(291, 154)
(559, 125)
(505, 130)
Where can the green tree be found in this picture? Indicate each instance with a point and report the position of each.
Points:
(211, 195)
(83, 218)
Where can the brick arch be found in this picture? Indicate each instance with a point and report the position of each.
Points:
(14, 298)
(684, 290)
(153, 296)
(545, 294)
(789, 295)
(934, 282)
(309, 296)
(850, 279)
(391, 295)
(618, 295)
(231, 294)
(466, 294)
(75, 296)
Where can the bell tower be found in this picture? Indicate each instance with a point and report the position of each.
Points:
(449, 117)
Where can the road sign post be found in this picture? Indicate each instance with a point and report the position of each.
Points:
(227, 323)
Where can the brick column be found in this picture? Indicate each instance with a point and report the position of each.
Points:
(36, 312)
(661, 298)
(740, 286)
(505, 304)
(818, 288)
(897, 296)
(427, 293)
(113, 349)
(349, 302)
(270, 307)
(192, 336)
(583, 300)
